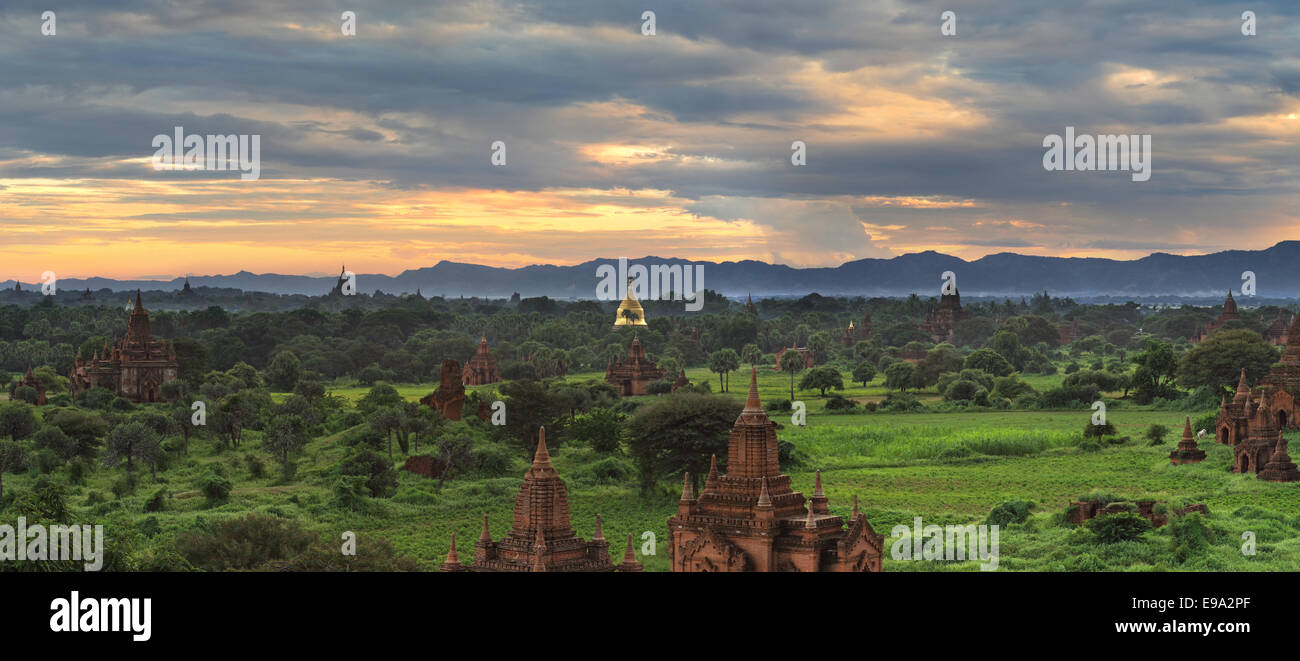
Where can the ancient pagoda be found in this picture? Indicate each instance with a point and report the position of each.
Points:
(29, 380)
(749, 519)
(135, 368)
(542, 538)
(634, 374)
(630, 312)
(1280, 468)
(1229, 313)
(481, 369)
(939, 324)
(1187, 452)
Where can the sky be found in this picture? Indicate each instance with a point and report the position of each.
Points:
(376, 148)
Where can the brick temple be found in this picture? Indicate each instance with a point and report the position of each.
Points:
(135, 368)
(1229, 313)
(750, 520)
(939, 324)
(542, 539)
(807, 354)
(481, 369)
(852, 335)
(1187, 451)
(29, 379)
(634, 374)
(1252, 425)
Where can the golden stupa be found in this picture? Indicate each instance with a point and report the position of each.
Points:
(629, 312)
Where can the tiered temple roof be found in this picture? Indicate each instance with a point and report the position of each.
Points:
(750, 519)
(634, 374)
(481, 368)
(542, 538)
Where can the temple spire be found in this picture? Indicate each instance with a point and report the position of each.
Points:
(764, 500)
(811, 521)
(139, 307)
(485, 536)
(688, 489)
(541, 458)
(752, 403)
(817, 487)
(629, 555)
(453, 560)
(599, 535)
(855, 505)
(712, 478)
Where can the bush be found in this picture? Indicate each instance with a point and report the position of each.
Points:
(662, 387)
(157, 502)
(215, 488)
(248, 542)
(901, 401)
(1097, 431)
(380, 478)
(1156, 434)
(493, 460)
(778, 405)
(1122, 527)
(255, 466)
(1009, 512)
(1089, 446)
(840, 403)
(1189, 535)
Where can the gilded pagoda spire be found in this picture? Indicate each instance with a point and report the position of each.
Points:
(630, 312)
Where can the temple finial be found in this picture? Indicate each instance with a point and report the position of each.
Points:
(811, 521)
(855, 505)
(485, 536)
(629, 556)
(752, 403)
(817, 486)
(453, 560)
(688, 489)
(764, 500)
(599, 535)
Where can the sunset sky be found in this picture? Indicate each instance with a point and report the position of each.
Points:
(375, 147)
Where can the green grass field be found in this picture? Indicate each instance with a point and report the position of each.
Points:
(946, 467)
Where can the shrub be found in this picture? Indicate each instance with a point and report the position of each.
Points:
(1011, 511)
(1156, 434)
(1097, 431)
(380, 478)
(255, 466)
(901, 401)
(157, 502)
(493, 460)
(1089, 446)
(1189, 535)
(248, 542)
(662, 387)
(840, 403)
(215, 488)
(1121, 527)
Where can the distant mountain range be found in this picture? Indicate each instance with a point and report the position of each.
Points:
(1276, 269)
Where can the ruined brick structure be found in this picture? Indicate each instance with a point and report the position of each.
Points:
(1080, 511)
(1069, 333)
(1187, 452)
(1229, 313)
(542, 538)
(424, 465)
(481, 369)
(807, 354)
(449, 398)
(852, 335)
(634, 374)
(940, 323)
(1278, 332)
(29, 379)
(749, 519)
(681, 381)
(135, 368)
